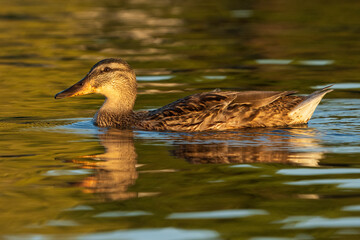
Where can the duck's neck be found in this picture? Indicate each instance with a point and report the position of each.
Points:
(115, 112)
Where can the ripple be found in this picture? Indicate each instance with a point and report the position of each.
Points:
(134, 234)
(274, 61)
(80, 208)
(340, 86)
(241, 13)
(232, 213)
(114, 214)
(158, 234)
(316, 62)
(351, 208)
(243, 166)
(78, 126)
(311, 171)
(154, 78)
(346, 149)
(67, 172)
(305, 222)
(343, 183)
(214, 77)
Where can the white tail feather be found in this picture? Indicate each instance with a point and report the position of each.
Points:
(302, 112)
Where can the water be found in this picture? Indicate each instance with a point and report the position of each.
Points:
(63, 178)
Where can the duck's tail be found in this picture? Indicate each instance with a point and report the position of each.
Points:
(302, 112)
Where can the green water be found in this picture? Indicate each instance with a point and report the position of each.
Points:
(63, 178)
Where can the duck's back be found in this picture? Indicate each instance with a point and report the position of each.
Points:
(223, 110)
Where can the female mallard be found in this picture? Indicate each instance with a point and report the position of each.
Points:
(216, 110)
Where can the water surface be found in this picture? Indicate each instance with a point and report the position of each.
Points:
(63, 178)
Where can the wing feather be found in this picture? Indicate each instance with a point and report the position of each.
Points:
(210, 110)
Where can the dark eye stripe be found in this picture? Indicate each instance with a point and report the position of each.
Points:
(108, 69)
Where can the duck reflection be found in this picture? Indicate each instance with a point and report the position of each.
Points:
(115, 170)
(295, 146)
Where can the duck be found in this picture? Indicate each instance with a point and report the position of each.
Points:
(206, 111)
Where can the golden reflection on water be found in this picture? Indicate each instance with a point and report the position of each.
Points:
(115, 170)
(258, 148)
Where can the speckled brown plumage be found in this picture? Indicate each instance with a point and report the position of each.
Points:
(216, 110)
(222, 111)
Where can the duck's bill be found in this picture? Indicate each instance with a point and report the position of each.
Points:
(79, 88)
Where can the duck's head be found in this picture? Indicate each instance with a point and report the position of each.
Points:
(112, 77)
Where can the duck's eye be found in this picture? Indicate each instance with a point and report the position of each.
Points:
(107, 69)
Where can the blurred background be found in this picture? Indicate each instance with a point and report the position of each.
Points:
(62, 178)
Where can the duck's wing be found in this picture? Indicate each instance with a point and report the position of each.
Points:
(200, 111)
(258, 99)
